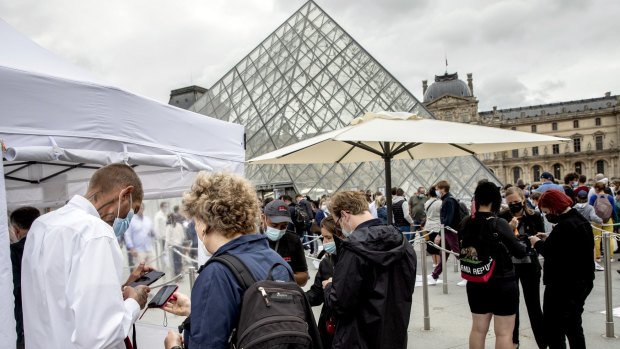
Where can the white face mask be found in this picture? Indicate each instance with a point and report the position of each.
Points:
(346, 232)
(274, 234)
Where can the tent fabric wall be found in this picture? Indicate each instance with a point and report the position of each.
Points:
(7, 301)
(58, 124)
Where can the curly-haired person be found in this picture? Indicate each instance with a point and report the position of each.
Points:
(225, 209)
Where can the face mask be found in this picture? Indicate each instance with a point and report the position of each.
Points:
(274, 234)
(324, 208)
(346, 232)
(121, 225)
(204, 250)
(330, 247)
(516, 208)
(575, 185)
(552, 218)
(421, 196)
(438, 194)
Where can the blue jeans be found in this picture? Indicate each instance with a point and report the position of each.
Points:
(406, 229)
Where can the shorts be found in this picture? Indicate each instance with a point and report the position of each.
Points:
(499, 297)
(431, 249)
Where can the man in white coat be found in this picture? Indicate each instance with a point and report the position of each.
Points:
(72, 267)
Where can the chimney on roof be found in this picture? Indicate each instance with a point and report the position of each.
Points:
(424, 86)
(494, 109)
(607, 94)
(470, 83)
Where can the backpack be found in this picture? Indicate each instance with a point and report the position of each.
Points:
(461, 213)
(301, 214)
(602, 207)
(274, 314)
(477, 250)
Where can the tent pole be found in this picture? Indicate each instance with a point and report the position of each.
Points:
(388, 180)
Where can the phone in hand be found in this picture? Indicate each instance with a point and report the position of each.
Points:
(163, 296)
(148, 278)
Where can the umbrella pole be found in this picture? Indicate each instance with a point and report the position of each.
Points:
(388, 186)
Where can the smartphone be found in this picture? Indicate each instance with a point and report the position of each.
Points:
(163, 296)
(147, 278)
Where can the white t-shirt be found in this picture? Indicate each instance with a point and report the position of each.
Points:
(433, 213)
(71, 282)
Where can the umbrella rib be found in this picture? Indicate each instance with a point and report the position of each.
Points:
(345, 154)
(400, 147)
(365, 147)
(410, 155)
(406, 148)
(463, 148)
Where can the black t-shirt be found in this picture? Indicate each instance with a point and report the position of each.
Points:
(291, 250)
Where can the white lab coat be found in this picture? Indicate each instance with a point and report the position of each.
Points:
(71, 282)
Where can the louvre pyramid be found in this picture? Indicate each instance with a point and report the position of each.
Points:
(309, 77)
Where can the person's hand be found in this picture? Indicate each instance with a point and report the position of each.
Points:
(542, 236)
(180, 306)
(173, 339)
(514, 223)
(139, 294)
(534, 240)
(327, 282)
(140, 270)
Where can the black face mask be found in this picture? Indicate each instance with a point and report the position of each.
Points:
(516, 208)
(552, 218)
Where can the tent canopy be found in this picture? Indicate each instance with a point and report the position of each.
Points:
(59, 123)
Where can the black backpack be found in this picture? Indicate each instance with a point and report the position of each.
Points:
(301, 214)
(274, 314)
(477, 250)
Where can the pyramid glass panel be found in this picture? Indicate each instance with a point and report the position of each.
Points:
(308, 77)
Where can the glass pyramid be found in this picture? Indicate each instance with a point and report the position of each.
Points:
(309, 77)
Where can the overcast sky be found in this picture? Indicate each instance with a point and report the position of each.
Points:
(520, 52)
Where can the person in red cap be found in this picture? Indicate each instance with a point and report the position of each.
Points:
(568, 281)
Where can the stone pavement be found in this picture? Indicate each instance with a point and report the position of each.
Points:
(450, 317)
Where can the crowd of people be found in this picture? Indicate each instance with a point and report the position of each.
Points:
(68, 264)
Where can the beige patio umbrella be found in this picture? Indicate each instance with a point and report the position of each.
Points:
(401, 135)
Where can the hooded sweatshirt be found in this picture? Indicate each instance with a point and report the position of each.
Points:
(372, 287)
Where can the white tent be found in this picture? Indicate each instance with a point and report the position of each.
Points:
(58, 123)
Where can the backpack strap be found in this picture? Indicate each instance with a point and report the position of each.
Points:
(237, 267)
(270, 273)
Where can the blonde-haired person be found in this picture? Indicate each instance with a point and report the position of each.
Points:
(225, 209)
(526, 222)
(373, 281)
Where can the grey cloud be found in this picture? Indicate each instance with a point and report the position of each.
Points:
(521, 52)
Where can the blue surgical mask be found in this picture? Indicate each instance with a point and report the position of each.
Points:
(274, 234)
(121, 225)
(330, 247)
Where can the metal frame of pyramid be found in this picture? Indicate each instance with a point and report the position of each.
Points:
(309, 77)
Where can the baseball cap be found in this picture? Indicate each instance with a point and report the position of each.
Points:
(277, 211)
(582, 194)
(546, 175)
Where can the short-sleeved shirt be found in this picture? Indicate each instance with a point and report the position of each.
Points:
(291, 250)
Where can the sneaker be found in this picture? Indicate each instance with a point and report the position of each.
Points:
(598, 267)
(462, 283)
(431, 281)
